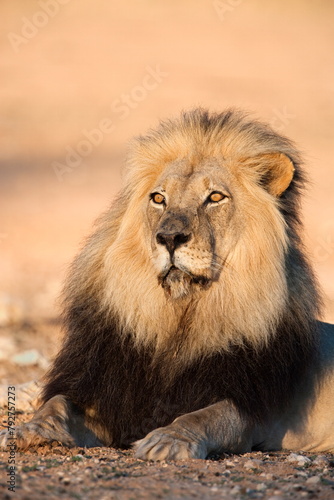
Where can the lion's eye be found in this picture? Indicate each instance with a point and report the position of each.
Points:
(216, 196)
(157, 198)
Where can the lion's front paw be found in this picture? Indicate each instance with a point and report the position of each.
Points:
(34, 433)
(167, 443)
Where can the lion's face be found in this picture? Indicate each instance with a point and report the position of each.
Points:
(189, 211)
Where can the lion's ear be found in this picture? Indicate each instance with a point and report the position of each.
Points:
(278, 171)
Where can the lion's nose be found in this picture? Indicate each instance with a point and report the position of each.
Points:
(172, 240)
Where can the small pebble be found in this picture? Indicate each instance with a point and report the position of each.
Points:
(300, 459)
(267, 475)
(250, 491)
(313, 480)
(236, 490)
(228, 463)
(253, 464)
(30, 357)
(321, 461)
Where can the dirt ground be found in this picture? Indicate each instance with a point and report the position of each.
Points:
(55, 472)
(78, 79)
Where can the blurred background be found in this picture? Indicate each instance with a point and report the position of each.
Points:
(79, 78)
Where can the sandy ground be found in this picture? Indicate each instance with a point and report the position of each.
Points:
(52, 472)
(77, 81)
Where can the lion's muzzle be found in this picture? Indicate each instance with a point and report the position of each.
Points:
(181, 266)
(174, 232)
(172, 240)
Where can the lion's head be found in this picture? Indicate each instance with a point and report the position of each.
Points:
(200, 209)
(201, 250)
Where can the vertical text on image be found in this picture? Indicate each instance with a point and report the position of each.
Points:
(11, 445)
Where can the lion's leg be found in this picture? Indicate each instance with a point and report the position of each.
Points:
(56, 420)
(217, 428)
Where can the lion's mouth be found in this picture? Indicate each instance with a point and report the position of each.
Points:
(176, 278)
(175, 274)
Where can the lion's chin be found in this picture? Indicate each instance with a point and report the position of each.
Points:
(179, 284)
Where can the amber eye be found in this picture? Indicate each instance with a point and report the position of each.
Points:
(157, 198)
(216, 196)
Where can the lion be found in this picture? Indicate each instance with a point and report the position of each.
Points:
(191, 314)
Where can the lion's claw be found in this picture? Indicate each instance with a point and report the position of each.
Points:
(167, 444)
(4, 437)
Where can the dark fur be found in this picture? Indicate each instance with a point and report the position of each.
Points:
(95, 368)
